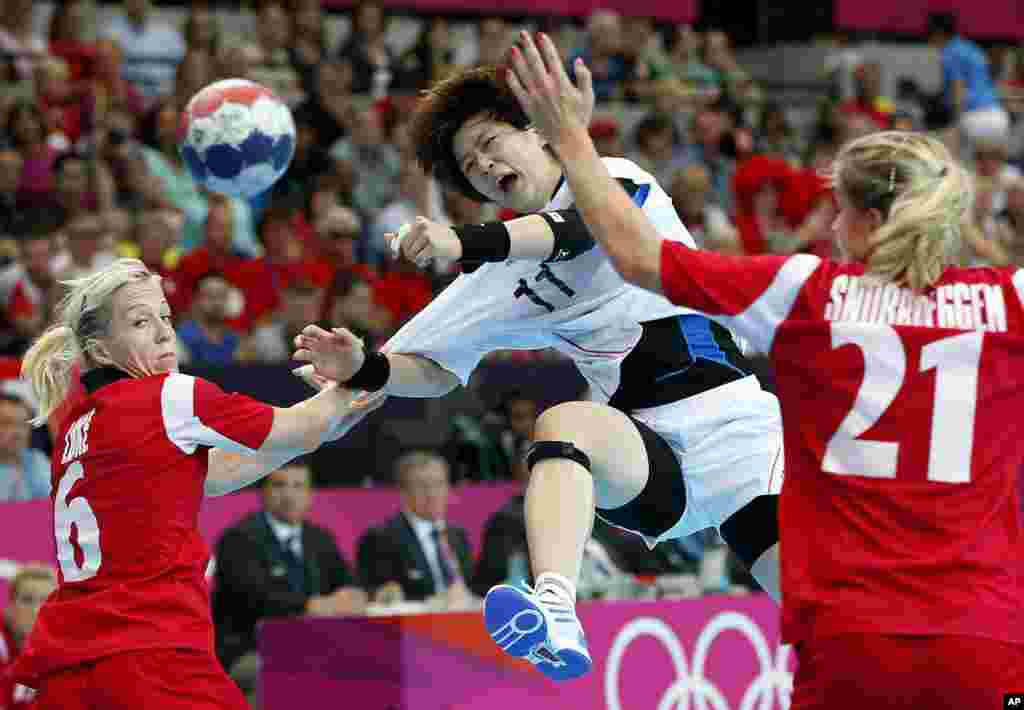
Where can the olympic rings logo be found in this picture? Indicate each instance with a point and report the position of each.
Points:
(774, 680)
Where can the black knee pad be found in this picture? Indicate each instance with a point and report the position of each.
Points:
(662, 502)
(541, 450)
(753, 529)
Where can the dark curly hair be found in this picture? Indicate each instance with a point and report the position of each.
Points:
(444, 107)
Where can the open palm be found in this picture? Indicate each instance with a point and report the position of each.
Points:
(335, 355)
(554, 104)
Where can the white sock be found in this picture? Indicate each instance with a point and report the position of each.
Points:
(554, 583)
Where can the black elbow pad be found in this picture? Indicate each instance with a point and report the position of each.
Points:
(571, 235)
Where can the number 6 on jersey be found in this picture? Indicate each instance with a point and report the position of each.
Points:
(79, 513)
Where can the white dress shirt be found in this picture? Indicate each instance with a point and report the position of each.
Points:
(424, 530)
(288, 534)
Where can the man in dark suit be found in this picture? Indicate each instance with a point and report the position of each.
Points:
(416, 550)
(276, 563)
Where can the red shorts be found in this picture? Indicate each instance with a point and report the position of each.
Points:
(167, 679)
(880, 672)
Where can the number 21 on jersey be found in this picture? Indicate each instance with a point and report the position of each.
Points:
(955, 360)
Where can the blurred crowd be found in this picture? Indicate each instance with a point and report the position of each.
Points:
(89, 166)
(89, 170)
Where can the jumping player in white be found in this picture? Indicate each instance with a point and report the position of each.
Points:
(677, 435)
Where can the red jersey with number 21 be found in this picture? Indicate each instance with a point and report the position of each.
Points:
(129, 467)
(904, 432)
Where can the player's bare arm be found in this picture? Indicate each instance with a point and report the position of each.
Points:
(338, 355)
(302, 427)
(230, 471)
(558, 110)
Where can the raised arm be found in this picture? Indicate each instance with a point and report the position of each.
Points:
(558, 109)
(751, 295)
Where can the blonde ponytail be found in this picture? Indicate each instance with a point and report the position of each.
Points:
(925, 198)
(47, 366)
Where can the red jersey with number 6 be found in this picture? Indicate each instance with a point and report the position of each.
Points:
(129, 466)
(904, 431)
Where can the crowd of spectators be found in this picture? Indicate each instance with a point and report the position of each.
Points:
(89, 170)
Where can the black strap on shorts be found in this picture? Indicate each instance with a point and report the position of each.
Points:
(753, 529)
(662, 502)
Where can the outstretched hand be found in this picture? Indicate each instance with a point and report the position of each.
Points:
(425, 241)
(358, 403)
(335, 355)
(557, 108)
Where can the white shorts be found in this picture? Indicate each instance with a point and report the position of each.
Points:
(728, 442)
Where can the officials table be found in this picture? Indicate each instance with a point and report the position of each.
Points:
(648, 655)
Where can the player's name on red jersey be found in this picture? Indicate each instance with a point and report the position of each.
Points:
(958, 306)
(76, 443)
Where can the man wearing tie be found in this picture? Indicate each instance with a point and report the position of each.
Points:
(276, 563)
(417, 550)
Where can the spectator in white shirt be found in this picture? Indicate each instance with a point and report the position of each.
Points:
(151, 48)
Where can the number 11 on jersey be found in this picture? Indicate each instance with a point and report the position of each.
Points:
(955, 360)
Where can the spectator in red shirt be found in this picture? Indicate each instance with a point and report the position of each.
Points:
(29, 589)
(283, 261)
(67, 29)
(216, 253)
(338, 233)
(869, 100)
(25, 292)
(403, 291)
(64, 112)
(776, 208)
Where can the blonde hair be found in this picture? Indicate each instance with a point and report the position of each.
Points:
(925, 197)
(34, 572)
(83, 321)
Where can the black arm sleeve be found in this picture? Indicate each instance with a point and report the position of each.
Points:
(571, 235)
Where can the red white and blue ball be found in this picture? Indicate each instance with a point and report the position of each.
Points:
(236, 137)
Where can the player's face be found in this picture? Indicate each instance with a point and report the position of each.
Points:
(141, 339)
(853, 228)
(508, 166)
(288, 494)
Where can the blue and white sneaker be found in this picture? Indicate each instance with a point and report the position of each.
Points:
(545, 631)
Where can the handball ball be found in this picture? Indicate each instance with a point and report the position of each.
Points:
(236, 137)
